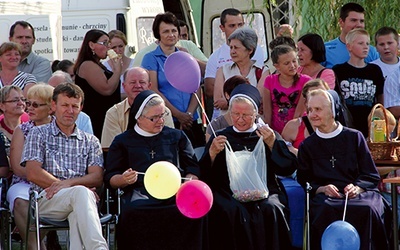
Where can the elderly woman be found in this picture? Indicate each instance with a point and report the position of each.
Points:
(182, 105)
(146, 222)
(311, 53)
(10, 57)
(336, 162)
(259, 223)
(224, 120)
(118, 43)
(100, 85)
(243, 43)
(39, 110)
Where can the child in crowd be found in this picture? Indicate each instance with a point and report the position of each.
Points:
(282, 93)
(386, 41)
(359, 83)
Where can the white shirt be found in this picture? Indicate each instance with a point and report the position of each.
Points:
(391, 90)
(386, 68)
(222, 56)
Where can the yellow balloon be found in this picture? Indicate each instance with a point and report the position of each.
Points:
(162, 180)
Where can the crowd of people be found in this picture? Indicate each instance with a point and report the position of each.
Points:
(305, 119)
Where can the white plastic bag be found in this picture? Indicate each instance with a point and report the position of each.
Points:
(247, 173)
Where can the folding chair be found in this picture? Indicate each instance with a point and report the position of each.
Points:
(37, 224)
(5, 217)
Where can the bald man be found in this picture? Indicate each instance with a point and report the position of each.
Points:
(59, 77)
(136, 80)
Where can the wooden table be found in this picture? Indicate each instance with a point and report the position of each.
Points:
(394, 182)
(386, 166)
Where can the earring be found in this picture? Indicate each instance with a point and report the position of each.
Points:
(94, 53)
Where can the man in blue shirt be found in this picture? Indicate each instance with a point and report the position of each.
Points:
(351, 17)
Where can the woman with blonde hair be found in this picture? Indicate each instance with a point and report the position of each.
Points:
(39, 111)
(118, 43)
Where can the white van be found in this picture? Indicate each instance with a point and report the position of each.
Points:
(256, 16)
(60, 25)
(45, 17)
(133, 17)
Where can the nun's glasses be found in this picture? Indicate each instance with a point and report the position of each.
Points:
(156, 118)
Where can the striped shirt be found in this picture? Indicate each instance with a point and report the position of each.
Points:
(65, 157)
(391, 89)
(21, 80)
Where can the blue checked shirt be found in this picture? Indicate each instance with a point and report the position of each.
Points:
(63, 156)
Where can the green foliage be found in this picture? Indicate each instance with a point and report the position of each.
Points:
(322, 16)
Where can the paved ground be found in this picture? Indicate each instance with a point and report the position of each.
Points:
(62, 237)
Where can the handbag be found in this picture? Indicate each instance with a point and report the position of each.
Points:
(247, 172)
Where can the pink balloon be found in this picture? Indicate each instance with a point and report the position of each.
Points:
(194, 199)
(183, 72)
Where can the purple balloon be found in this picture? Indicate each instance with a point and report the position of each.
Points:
(183, 72)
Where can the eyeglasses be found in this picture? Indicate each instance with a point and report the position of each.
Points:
(236, 116)
(156, 118)
(35, 104)
(22, 99)
(105, 43)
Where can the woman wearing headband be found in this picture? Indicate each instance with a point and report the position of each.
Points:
(336, 162)
(146, 222)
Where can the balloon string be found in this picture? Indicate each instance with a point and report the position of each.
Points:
(204, 112)
(184, 178)
(345, 205)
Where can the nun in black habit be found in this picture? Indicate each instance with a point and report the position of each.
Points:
(260, 223)
(335, 161)
(146, 222)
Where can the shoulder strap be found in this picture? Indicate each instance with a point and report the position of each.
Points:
(320, 73)
(259, 72)
(308, 124)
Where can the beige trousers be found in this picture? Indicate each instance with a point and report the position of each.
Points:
(78, 205)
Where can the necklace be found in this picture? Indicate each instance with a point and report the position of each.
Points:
(152, 153)
(332, 135)
(330, 150)
(6, 128)
(332, 160)
(4, 82)
(148, 139)
(149, 142)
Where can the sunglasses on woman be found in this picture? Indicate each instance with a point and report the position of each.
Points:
(34, 104)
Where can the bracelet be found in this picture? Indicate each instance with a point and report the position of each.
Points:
(189, 113)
